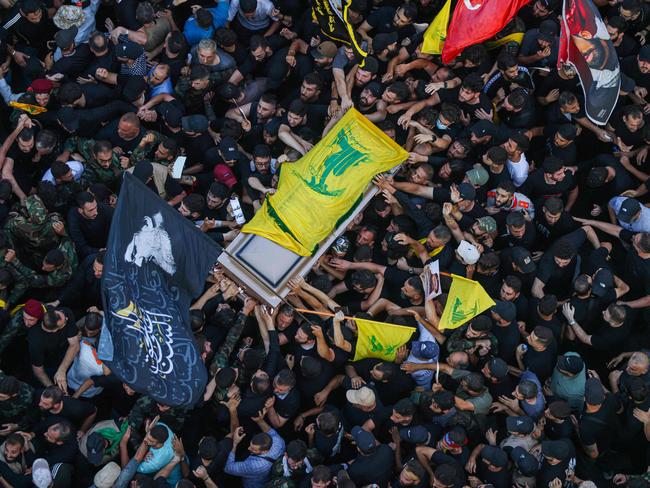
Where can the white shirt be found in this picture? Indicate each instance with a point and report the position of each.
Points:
(76, 167)
(85, 365)
(261, 19)
(519, 170)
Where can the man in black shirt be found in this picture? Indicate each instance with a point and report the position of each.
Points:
(89, 224)
(52, 347)
(374, 461)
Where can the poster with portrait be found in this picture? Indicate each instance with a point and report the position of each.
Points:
(431, 280)
(585, 43)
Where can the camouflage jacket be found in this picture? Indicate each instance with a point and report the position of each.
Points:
(15, 328)
(30, 230)
(93, 171)
(12, 294)
(142, 152)
(19, 409)
(459, 341)
(147, 408)
(222, 357)
(56, 278)
(283, 477)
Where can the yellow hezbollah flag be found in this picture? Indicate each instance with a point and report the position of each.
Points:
(466, 300)
(436, 33)
(29, 108)
(380, 340)
(320, 189)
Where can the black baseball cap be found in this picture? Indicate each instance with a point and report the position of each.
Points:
(523, 259)
(382, 41)
(526, 463)
(195, 123)
(498, 368)
(571, 363)
(505, 310)
(629, 208)
(594, 392)
(556, 449)
(65, 38)
(95, 447)
(364, 440)
(520, 424)
(171, 113)
(68, 119)
(603, 281)
(129, 50)
(495, 456)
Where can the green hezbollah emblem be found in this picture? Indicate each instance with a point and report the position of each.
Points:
(458, 313)
(337, 163)
(377, 346)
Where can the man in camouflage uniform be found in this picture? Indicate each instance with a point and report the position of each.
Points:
(222, 356)
(13, 286)
(58, 267)
(33, 231)
(145, 148)
(289, 470)
(23, 320)
(146, 409)
(102, 163)
(17, 411)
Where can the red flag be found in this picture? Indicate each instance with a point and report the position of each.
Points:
(474, 21)
(585, 43)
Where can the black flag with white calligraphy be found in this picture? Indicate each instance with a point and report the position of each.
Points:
(156, 263)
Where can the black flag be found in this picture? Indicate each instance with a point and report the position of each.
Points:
(332, 17)
(156, 262)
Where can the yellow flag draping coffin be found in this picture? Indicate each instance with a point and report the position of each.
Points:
(319, 190)
(436, 33)
(380, 340)
(466, 300)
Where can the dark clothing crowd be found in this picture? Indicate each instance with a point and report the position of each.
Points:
(508, 183)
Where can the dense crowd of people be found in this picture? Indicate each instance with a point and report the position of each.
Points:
(507, 183)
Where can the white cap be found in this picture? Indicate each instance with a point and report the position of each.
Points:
(468, 252)
(41, 474)
(106, 477)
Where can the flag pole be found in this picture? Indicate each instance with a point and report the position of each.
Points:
(324, 314)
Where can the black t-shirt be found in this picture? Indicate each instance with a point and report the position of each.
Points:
(558, 430)
(509, 338)
(74, 410)
(114, 393)
(47, 349)
(554, 81)
(541, 362)
(634, 139)
(610, 340)
(373, 468)
(537, 188)
(355, 416)
(630, 66)
(451, 96)
(74, 64)
(109, 133)
(390, 392)
(289, 406)
(557, 280)
(498, 479)
(26, 172)
(548, 233)
(600, 427)
(381, 20)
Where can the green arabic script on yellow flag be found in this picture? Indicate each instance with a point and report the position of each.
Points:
(466, 300)
(380, 339)
(321, 189)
